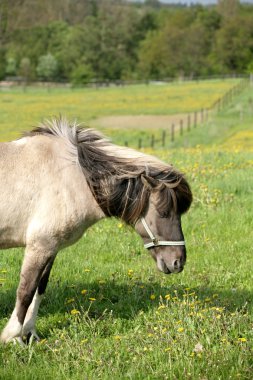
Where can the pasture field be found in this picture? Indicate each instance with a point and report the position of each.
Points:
(20, 110)
(109, 314)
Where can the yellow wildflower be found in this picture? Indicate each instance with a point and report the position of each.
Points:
(84, 291)
(152, 297)
(70, 300)
(74, 312)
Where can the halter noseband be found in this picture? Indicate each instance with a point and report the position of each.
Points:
(154, 241)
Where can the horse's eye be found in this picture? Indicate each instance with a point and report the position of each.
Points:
(164, 215)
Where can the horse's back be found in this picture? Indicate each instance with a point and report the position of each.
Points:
(42, 189)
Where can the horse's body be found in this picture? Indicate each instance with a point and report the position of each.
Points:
(57, 181)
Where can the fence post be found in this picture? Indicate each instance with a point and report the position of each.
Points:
(163, 138)
(172, 132)
(189, 123)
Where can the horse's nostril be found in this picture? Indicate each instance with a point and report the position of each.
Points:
(176, 264)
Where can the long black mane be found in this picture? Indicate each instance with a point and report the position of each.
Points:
(121, 179)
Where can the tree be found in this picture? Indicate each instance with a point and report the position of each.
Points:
(11, 66)
(82, 75)
(47, 67)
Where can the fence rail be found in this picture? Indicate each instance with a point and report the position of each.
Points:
(192, 120)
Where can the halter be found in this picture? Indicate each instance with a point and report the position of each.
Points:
(154, 241)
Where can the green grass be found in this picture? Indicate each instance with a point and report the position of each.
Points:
(21, 111)
(144, 324)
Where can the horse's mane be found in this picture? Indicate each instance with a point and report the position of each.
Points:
(121, 179)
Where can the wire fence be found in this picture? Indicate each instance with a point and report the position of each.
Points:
(192, 120)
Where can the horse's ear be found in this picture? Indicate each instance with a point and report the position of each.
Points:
(149, 182)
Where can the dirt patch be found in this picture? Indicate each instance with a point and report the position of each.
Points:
(141, 121)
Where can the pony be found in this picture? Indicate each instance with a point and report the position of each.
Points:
(59, 179)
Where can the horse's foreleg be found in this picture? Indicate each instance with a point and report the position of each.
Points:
(35, 261)
(32, 312)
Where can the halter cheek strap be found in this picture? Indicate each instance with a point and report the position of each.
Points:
(156, 242)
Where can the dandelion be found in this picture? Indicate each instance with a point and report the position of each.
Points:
(180, 329)
(42, 341)
(69, 300)
(167, 297)
(86, 270)
(84, 291)
(152, 297)
(242, 340)
(117, 337)
(120, 225)
(74, 312)
(92, 299)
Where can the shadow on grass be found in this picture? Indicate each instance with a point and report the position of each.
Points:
(125, 300)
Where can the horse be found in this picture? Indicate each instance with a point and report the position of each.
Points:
(59, 179)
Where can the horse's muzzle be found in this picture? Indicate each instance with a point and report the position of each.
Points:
(176, 266)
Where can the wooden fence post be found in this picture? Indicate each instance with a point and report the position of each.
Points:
(189, 123)
(172, 132)
(163, 138)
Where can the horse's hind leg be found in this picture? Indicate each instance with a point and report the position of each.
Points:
(35, 261)
(32, 312)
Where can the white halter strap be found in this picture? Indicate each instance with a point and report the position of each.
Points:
(154, 241)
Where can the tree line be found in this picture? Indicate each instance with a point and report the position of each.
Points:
(85, 40)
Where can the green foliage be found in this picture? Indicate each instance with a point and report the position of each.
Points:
(119, 40)
(2, 63)
(11, 66)
(82, 75)
(47, 67)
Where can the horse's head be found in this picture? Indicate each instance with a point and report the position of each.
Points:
(161, 228)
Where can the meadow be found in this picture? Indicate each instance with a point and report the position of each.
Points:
(108, 313)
